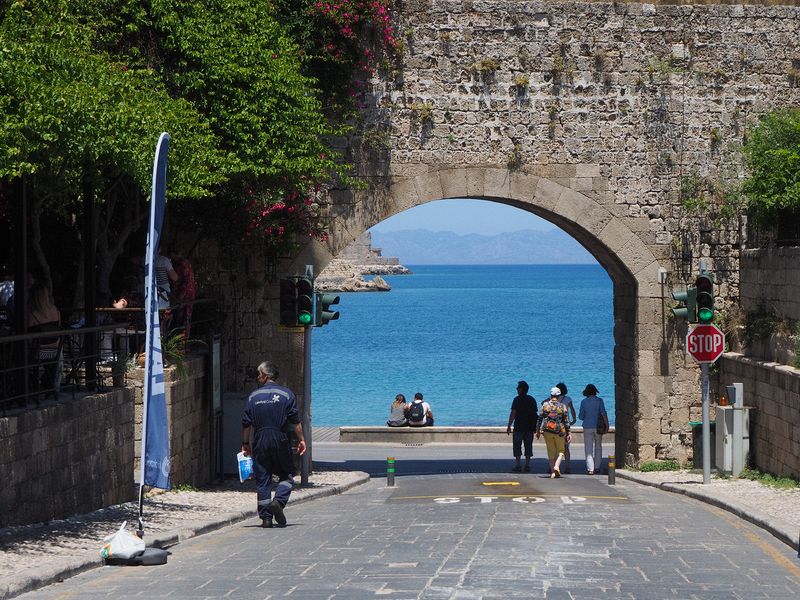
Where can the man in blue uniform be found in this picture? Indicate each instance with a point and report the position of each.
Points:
(270, 412)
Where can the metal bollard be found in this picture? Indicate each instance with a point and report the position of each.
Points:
(390, 471)
(612, 469)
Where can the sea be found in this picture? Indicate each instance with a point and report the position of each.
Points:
(463, 336)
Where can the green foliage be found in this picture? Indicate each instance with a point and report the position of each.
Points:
(760, 325)
(659, 465)
(340, 45)
(770, 479)
(87, 86)
(773, 156)
(720, 199)
(69, 111)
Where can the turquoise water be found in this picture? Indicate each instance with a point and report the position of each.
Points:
(463, 336)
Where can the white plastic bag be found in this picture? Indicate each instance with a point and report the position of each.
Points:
(245, 467)
(122, 544)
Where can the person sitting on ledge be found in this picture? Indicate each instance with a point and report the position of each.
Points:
(419, 413)
(397, 416)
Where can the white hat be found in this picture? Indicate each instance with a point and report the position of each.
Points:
(555, 391)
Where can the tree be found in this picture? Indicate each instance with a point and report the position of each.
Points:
(86, 87)
(773, 156)
(70, 115)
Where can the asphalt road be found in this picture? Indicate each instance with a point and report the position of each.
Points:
(469, 536)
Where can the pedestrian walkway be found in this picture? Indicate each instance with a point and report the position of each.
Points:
(773, 509)
(33, 556)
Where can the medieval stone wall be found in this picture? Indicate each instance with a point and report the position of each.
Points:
(612, 120)
(770, 280)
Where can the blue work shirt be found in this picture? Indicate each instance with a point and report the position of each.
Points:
(591, 407)
(270, 411)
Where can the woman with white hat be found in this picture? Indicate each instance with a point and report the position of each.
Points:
(554, 424)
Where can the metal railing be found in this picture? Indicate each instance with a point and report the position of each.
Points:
(63, 362)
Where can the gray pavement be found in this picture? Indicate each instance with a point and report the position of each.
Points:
(72, 546)
(570, 538)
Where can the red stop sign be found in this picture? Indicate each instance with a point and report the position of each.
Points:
(705, 343)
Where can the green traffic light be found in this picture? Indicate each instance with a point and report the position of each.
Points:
(705, 315)
(304, 318)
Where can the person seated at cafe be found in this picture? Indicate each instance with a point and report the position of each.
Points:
(398, 409)
(43, 316)
(42, 311)
(184, 291)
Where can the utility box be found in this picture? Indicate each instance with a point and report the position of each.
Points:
(733, 433)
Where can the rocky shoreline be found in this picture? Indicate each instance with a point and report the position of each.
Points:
(343, 275)
(347, 272)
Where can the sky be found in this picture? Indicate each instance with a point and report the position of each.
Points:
(464, 217)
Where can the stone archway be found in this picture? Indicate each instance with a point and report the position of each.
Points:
(632, 266)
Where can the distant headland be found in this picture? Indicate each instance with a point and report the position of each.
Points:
(346, 273)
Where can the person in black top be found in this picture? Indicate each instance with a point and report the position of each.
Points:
(270, 412)
(524, 412)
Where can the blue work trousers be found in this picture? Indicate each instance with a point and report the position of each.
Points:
(269, 462)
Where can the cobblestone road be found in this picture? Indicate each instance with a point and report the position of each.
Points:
(405, 542)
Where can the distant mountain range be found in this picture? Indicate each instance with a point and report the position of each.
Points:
(424, 247)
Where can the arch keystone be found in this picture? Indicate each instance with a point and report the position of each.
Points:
(496, 183)
(453, 182)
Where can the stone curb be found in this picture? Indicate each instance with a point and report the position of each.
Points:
(166, 539)
(779, 530)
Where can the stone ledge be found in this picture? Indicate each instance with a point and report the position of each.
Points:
(434, 435)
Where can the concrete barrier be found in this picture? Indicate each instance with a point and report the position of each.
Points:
(435, 435)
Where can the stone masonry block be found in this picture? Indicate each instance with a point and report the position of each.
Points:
(615, 235)
(428, 186)
(405, 194)
(522, 186)
(594, 218)
(453, 182)
(475, 182)
(571, 204)
(497, 183)
(548, 193)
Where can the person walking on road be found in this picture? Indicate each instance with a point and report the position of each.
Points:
(595, 422)
(554, 423)
(524, 412)
(567, 401)
(270, 412)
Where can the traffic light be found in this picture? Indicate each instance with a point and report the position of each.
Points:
(689, 309)
(705, 297)
(305, 301)
(288, 302)
(323, 313)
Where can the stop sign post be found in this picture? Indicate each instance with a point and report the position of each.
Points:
(705, 343)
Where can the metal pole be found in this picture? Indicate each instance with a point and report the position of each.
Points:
(89, 288)
(390, 471)
(305, 465)
(706, 425)
(612, 469)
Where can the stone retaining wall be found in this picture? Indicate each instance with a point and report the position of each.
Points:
(70, 457)
(75, 456)
(774, 391)
(770, 279)
(189, 416)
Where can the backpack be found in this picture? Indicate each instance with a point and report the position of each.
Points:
(416, 412)
(552, 421)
